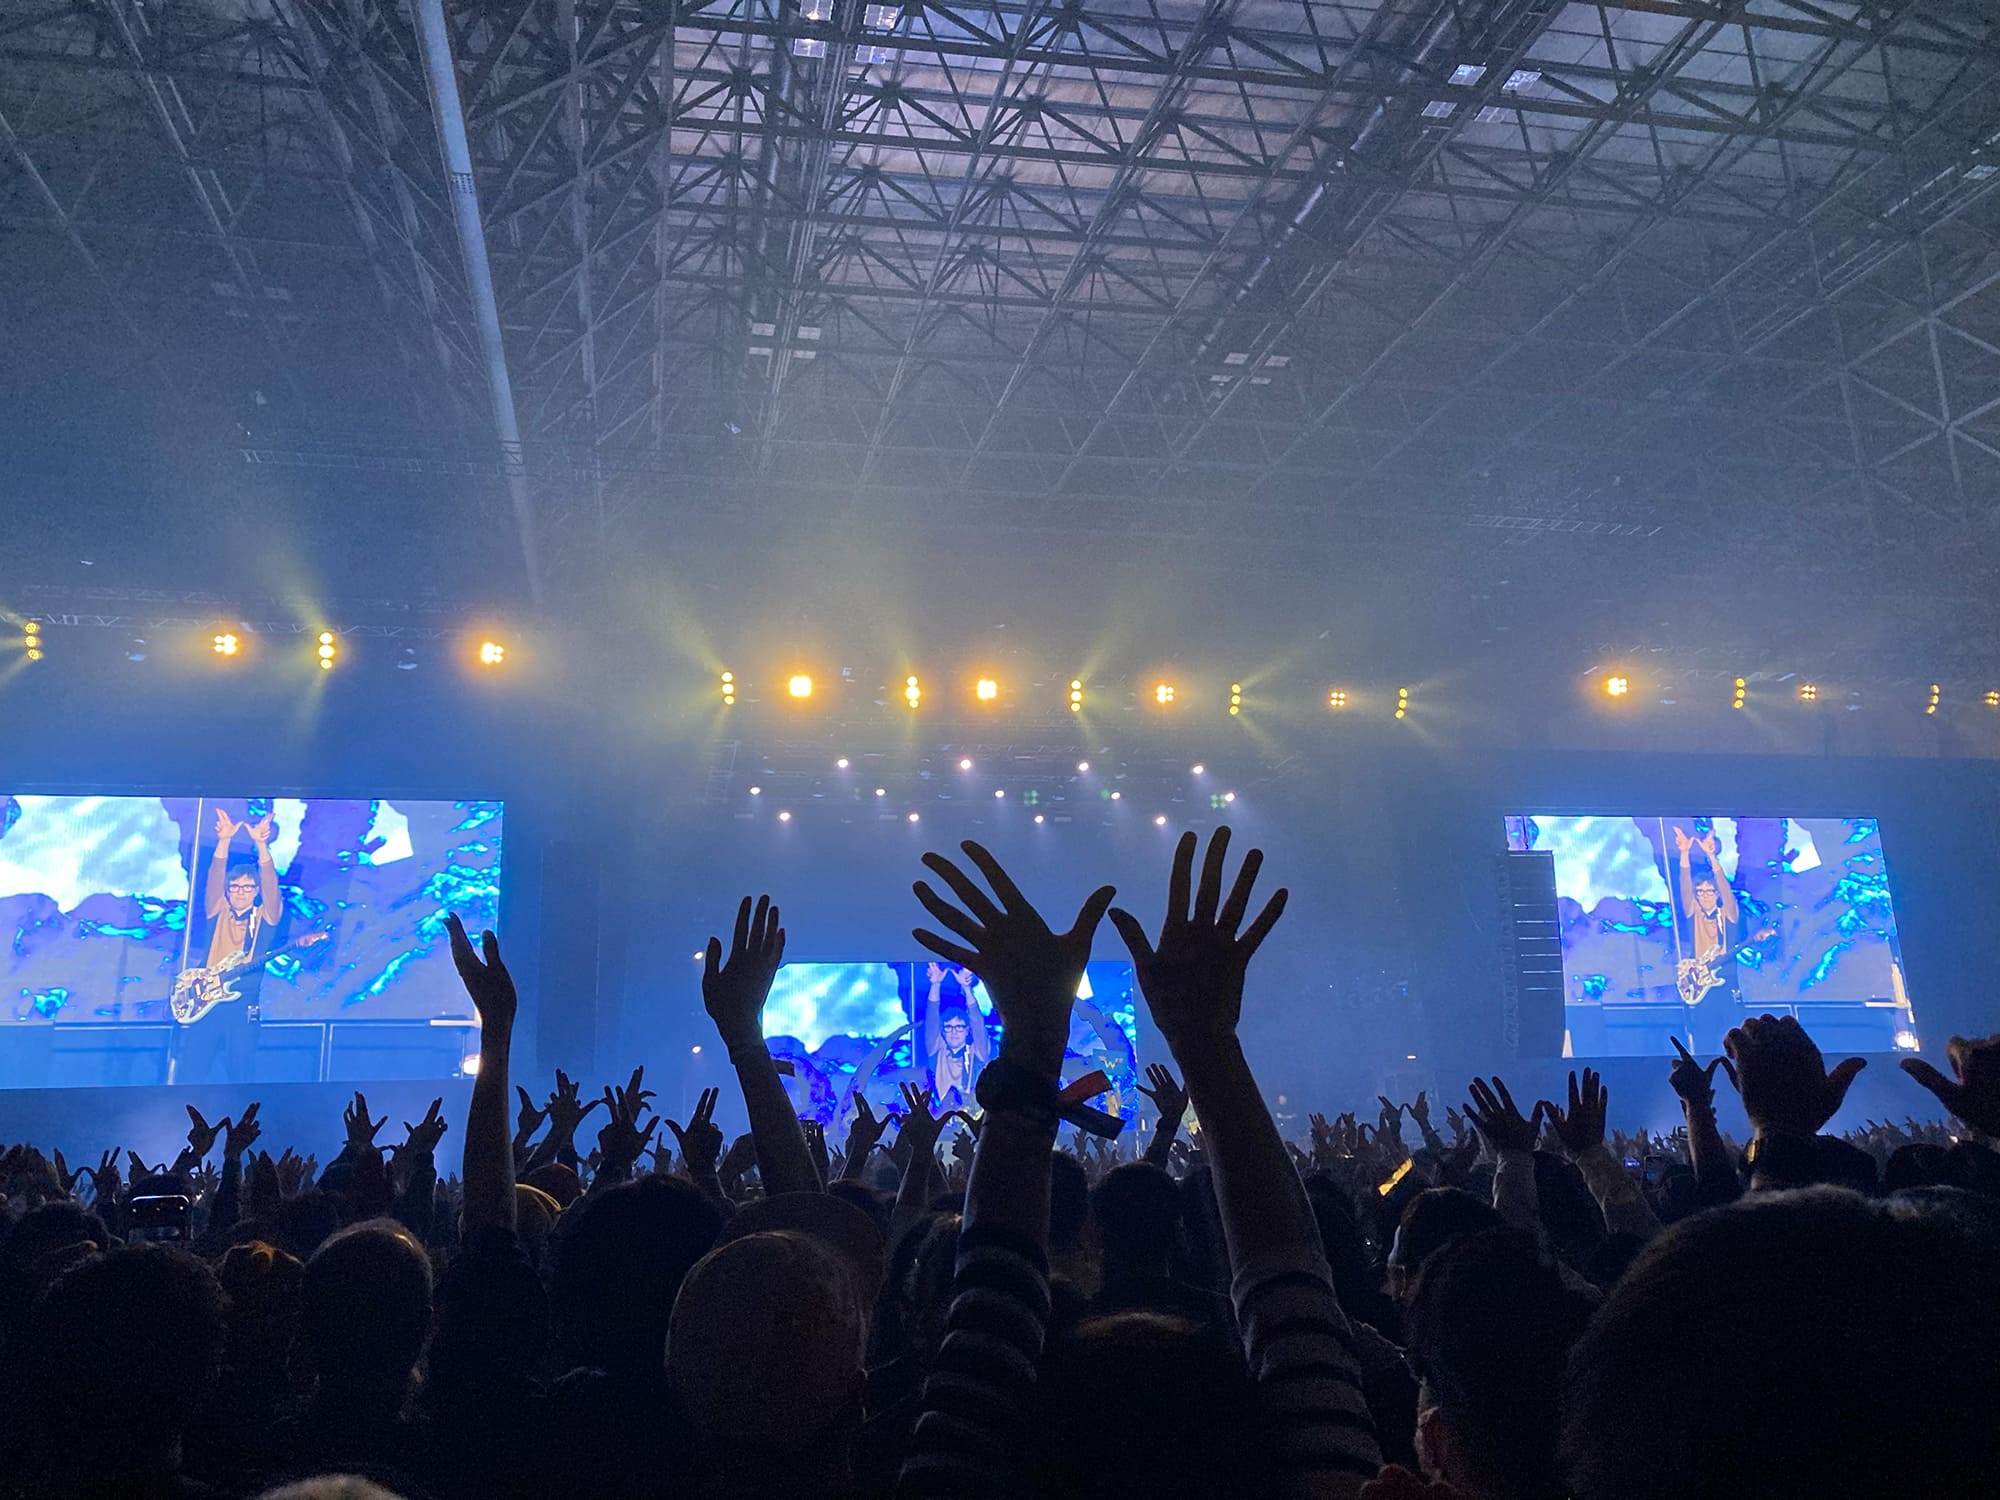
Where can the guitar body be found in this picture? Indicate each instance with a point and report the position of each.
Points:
(199, 991)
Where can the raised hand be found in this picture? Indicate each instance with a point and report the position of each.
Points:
(1390, 1122)
(1168, 1097)
(64, 1176)
(734, 992)
(700, 1139)
(1581, 1126)
(201, 1134)
(1492, 1113)
(1030, 972)
(263, 1192)
(1782, 1077)
(921, 1128)
(292, 1170)
(426, 1133)
(863, 1135)
(104, 1182)
(240, 1135)
(225, 827)
(135, 1168)
(360, 1129)
(1193, 976)
(1975, 1095)
(738, 1159)
(488, 983)
(815, 1134)
(203, 1182)
(260, 831)
(1691, 1081)
(528, 1119)
(566, 1109)
(621, 1140)
(1681, 843)
(1421, 1112)
(965, 1146)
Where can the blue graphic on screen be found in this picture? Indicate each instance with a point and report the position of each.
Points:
(876, 1026)
(1683, 925)
(175, 919)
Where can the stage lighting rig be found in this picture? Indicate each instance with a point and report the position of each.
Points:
(1337, 698)
(328, 650)
(913, 692)
(226, 643)
(1932, 706)
(1235, 699)
(1402, 702)
(1076, 695)
(1993, 698)
(1163, 694)
(1742, 690)
(728, 689)
(31, 639)
(492, 654)
(800, 686)
(986, 690)
(1617, 686)
(1808, 692)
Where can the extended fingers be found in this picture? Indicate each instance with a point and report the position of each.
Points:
(949, 915)
(976, 901)
(1002, 883)
(1238, 905)
(945, 948)
(1181, 880)
(1208, 894)
(1260, 929)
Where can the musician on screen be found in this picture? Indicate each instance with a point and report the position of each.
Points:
(241, 903)
(956, 1042)
(1713, 918)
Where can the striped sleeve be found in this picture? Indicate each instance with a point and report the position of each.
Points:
(1302, 1352)
(978, 1392)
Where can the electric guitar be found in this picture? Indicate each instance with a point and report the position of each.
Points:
(199, 991)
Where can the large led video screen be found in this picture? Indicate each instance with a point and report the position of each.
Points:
(173, 938)
(872, 1027)
(1683, 924)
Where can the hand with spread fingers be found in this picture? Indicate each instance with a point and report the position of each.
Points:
(621, 1140)
(1168, 1097)
(360, 1129)
(1581, 1126)
(1494, 1115)
(241, 1134)
(424, 1136)
(863, 1135)
(1192, 976)
(734, 991)
(1030, 971)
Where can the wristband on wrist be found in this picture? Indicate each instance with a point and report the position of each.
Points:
(1009, 1087)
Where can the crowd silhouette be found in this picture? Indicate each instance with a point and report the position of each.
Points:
(1507, 1303)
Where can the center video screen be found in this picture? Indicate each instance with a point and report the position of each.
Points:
(872, 1027)
(1683, 925)
(203, 940)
